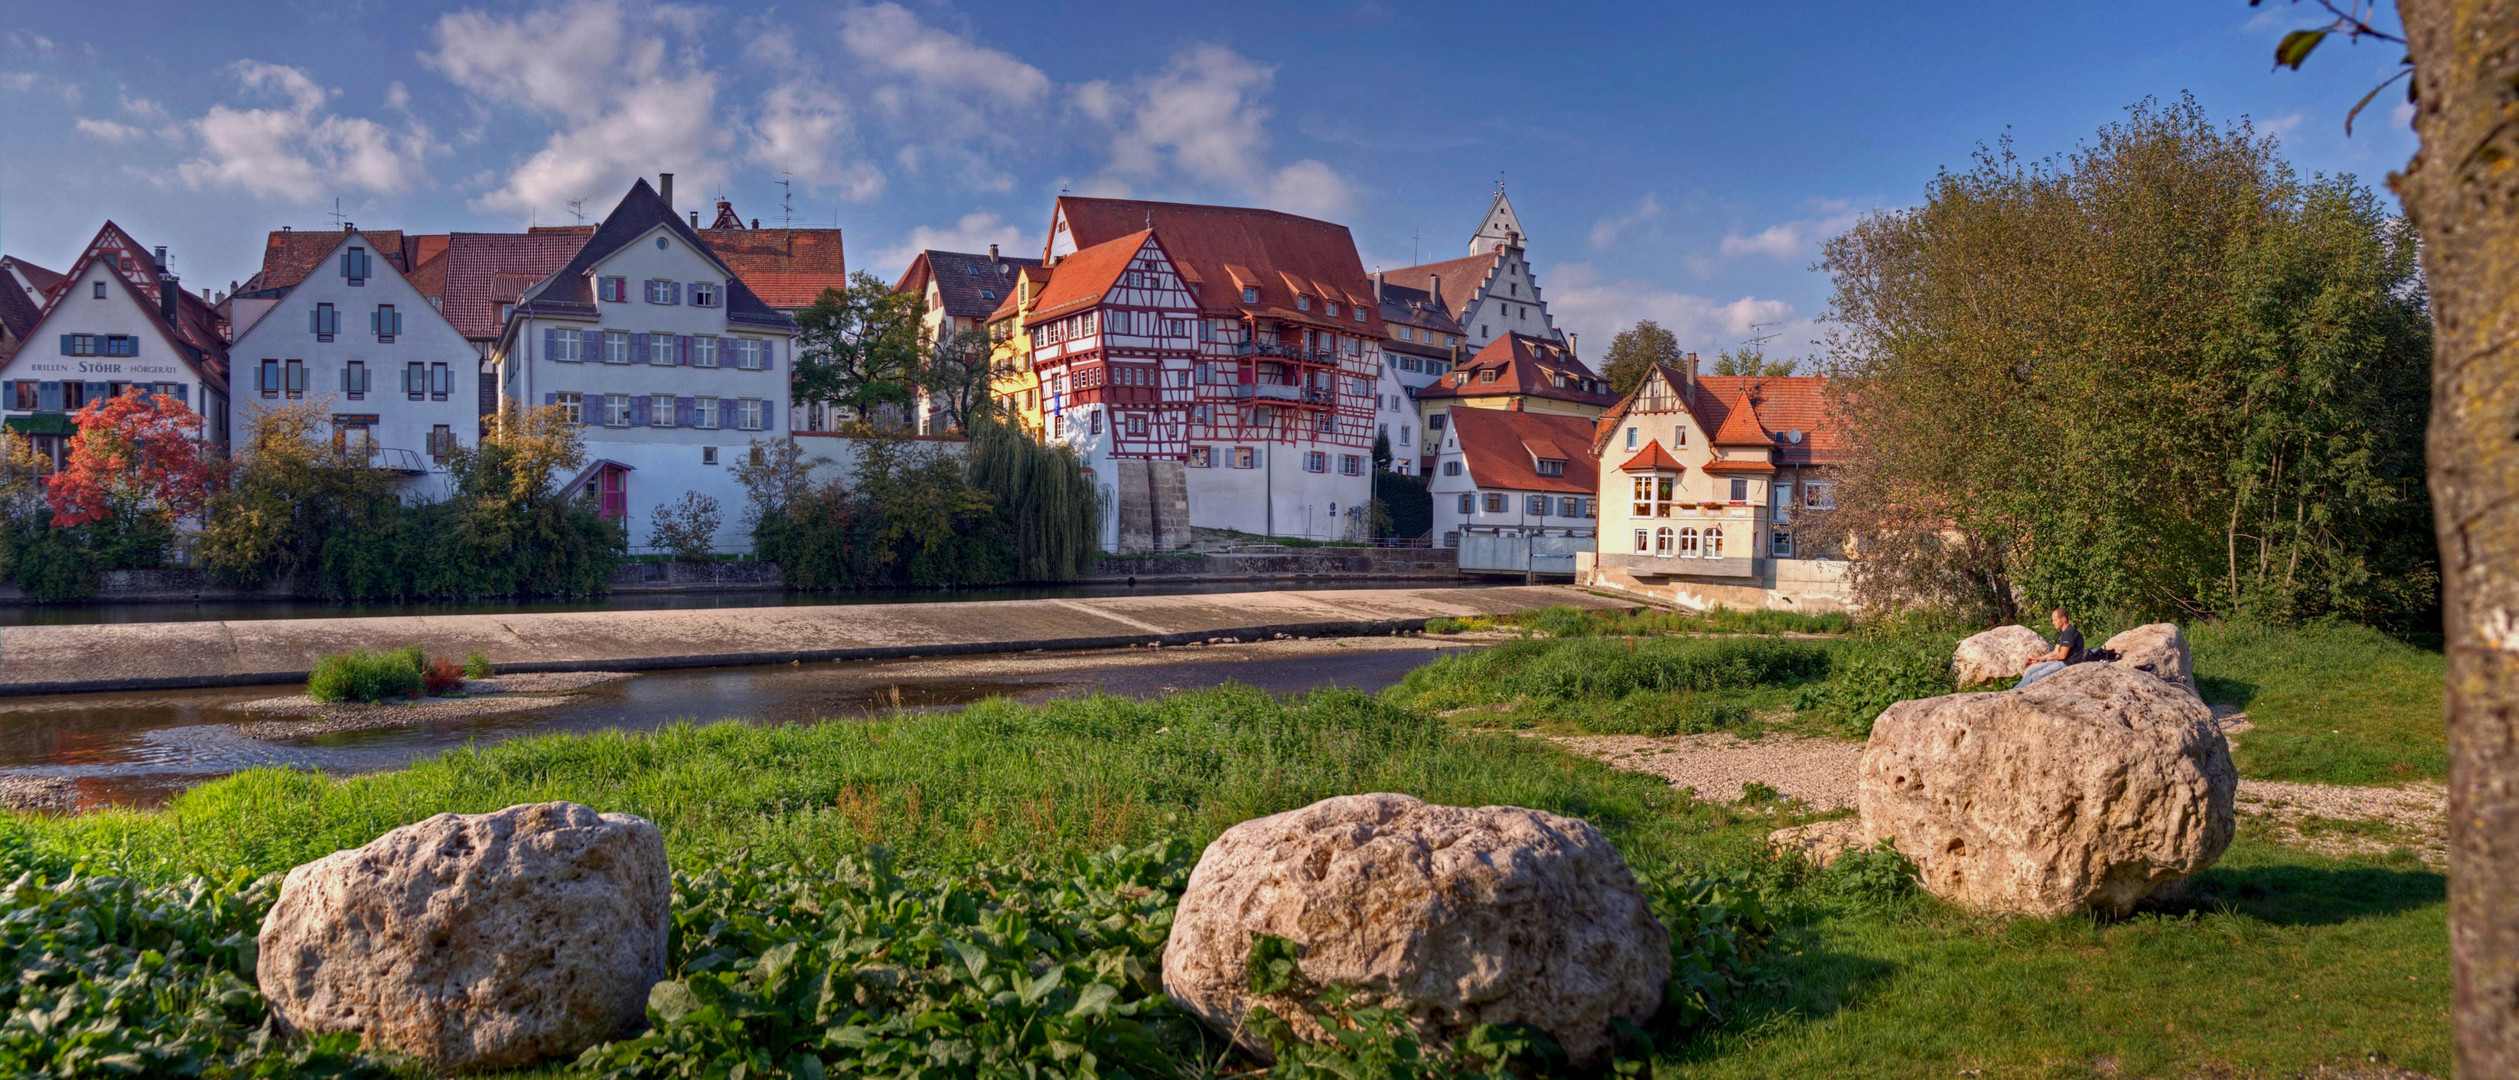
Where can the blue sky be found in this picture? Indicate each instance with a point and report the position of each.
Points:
(1677, 161)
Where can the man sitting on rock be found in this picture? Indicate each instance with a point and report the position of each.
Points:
(2067, 652)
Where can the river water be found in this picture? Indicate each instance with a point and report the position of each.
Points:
(139, 749)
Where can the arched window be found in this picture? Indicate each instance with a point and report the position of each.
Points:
(1662, 541)
(1687, 543)
(1714, 542)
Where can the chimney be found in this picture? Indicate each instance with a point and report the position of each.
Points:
(1377, 288)
(288, 228)
(992, 254)
(1574, 345)
(695, 219)
(664, 188)
(756, 223)
(168, 295)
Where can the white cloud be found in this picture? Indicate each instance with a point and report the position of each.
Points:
(111, 131)
(2282, 127)
(142, 108)
(300, 152)
(888, 36)
(1590, 303)
(624, 100)
(29, 43)
(1607, 231)
(28, 82)
(804, 130)
(1793, 238)
(973, 233)
(1200, 119)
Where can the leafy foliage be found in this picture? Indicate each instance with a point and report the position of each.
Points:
(1750, 360)
(116, 979)
(872, 970)
(2161, 376)
(1406, 500)
(957, 378)
(859, 347)
(360, 675)
(687, 527)
(1046, 505)
(134, 454)
(1633, 353)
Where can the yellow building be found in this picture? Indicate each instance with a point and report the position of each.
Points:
(1701, 479)
(1518, 373)
(1015, 385)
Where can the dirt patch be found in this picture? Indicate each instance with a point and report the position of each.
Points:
(1819, 772)
(544, 682)
(312, 717)
(38, 793)
(2334, 820)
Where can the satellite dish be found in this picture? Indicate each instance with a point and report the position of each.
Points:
(1794, 436)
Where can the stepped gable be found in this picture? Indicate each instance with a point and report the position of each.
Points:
(568, 291)
(1524, 365)
(1221, 250)
(1503, 448)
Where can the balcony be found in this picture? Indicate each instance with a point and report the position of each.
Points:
(1274, 350)
(1267, 392)
(407, 462)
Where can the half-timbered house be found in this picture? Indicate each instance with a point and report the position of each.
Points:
(117, 322)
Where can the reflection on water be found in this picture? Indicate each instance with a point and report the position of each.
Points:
(142, 748)
(219, 610)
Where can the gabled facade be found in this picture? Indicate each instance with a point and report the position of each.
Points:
(396, 378)
(1012, 381)
(957, 292)
(1492, 291)
(1515, 374)
(1420, 343)
(1701, 479)
(1515, 474)
(1285, 362)
(672, 364)
(117, 322)
(24, 290)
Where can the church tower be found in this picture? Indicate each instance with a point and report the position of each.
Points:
(1499, 227)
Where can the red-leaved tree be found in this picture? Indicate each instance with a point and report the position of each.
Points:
(133, 453)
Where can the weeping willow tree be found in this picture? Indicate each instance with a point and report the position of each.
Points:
(1044, 498)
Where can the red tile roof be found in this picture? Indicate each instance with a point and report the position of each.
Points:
(1527, 366)
(419, 248)
(1784, 405)
(1081, 280)
(1503, 448)
(1653, 459)
(480, 271)
(1738, 465)
(288, 255)
(20, 309)
(1462, 278)
(1219, 248)
(1740, 422)
(786, 268)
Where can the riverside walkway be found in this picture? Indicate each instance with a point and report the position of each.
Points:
(158, 656)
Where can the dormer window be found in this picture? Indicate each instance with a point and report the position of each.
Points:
(1302, 303)
(1552, 466)
(1330, 308)
(1488, 375)
(1250, 294)
(612, 290)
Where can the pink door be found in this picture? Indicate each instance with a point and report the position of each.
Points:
(616, 493)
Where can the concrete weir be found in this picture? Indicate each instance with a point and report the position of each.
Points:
(163, 656)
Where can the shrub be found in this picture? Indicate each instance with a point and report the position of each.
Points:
(359, 675)
(477, 666)
(687, 528)
(1875, 675)
(441, 676)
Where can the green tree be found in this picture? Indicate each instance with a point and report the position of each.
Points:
(957, 378)
(1751, 360)
(1382, 452)
(291, 490)
(2161, 375)
(859, 347)
(1634, 352)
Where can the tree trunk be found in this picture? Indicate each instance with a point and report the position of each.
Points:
(2462, 192)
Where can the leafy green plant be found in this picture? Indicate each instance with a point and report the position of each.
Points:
(1875, 676)
(359, 675)
(477, 666)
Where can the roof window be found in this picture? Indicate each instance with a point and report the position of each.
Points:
(1302, 302)
(1250, 294)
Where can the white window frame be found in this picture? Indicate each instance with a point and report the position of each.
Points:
(616, 410)
(616, 346)
(1819, 495)
(572, 404)
(672, 351)
(704, 351)
(657, 417)
(748, 413)
(704, 412)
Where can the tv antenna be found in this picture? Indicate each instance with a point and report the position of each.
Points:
(336, 213)
(786, 201)
(577, 209)
(1760, 333)
(1414, 239)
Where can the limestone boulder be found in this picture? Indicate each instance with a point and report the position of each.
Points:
(476, 941)
(1453, 916)
(2159, 648)
(2096, 788)
(2001, 653)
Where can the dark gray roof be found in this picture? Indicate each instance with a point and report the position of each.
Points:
(567, 291)
(973, 285)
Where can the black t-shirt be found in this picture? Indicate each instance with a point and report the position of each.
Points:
(2071, 639)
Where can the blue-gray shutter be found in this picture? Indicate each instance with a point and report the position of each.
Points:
(8, 393)
(769, 414)
(550, 397)
(638, 411)
(397, 322)
(683, 359)
(769, 354)
(314, 320)
(638, 348)
(96, 391)
(550, 342)
(65, 344)
(673, 292)
(376, 322)
(726, 412)
(590, 410)
(48, 395)
(180, 395)
(682, 413)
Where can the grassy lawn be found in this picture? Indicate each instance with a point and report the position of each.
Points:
(2336, 704)
(2279, 961)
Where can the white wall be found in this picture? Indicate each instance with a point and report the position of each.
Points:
(122, 311)
(286, 333)
(1447, 491)
(665, 461)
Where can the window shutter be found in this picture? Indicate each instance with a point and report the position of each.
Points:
(550, 342)
(345, 264)
(673, 292)
(725, 412)
(48, 395)
(8, 393)
(96, 391)
(397, 322)
(376, 322)
(550, 397)
(179, 392)
(769, 353)
(685, 359)
(769, 414)
(638, 411)
(638, 348)
(682, 412)
(65, 344)
(345, 379)
(590, 410)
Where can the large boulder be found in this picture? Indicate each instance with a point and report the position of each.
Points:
(475, 941)
(2001, 653)
(2097, 787)
(2158, 648)
(1450, 915)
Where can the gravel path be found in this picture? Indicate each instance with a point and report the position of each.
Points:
(2330, 819)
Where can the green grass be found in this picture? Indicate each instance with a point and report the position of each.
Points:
(2279, 961)
(2332, 703)
(359, 675)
